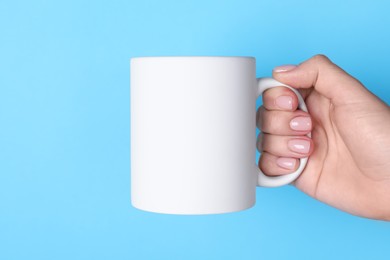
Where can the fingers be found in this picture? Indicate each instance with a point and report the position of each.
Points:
(283, 122)
(283, 139)
(280, 154)
(285, 146)
(325, 76)
(280, 98)
(273, 165)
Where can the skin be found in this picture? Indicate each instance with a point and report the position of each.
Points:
(349, 163)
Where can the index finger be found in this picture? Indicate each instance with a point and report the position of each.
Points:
(280, 98)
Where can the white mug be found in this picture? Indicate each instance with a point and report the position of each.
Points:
(193, 134)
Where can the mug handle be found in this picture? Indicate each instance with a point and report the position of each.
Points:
(263, 180)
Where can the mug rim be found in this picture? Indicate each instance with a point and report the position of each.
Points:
(192, 57)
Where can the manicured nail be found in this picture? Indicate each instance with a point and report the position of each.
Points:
(299, 145)
(284, 102)
(284, 68)
(286, 163)
(301, 123)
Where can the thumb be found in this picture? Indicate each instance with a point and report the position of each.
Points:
(326, 78)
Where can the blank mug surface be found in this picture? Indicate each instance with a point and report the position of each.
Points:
(193, 134)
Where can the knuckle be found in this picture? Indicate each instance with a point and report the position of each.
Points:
(259, 144)
(265, 163)
(271, 122)
(267, 98)
(259, 117)
(321, 58)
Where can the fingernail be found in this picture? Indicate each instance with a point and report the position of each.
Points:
(299, 145)
(284, 68)
(300, 123)
(286, 163)
(284, 102)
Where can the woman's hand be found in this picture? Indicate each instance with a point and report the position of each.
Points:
(349, 163)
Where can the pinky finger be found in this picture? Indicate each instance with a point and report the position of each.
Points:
(273, 165)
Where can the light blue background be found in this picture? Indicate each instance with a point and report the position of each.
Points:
(64, 126)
